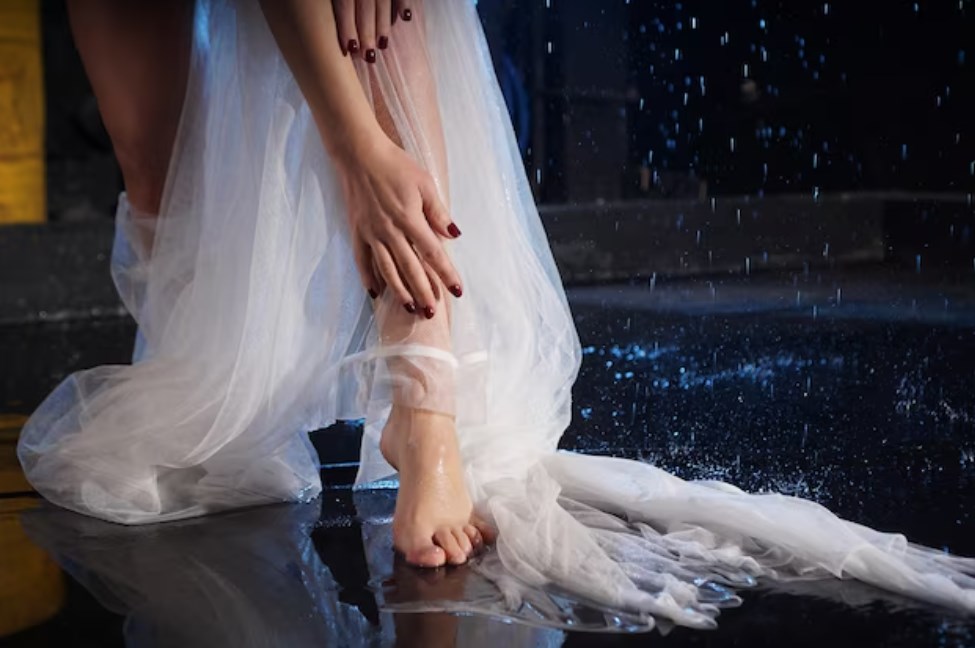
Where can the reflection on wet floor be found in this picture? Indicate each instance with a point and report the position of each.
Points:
(271, 576)
(862, 404)
(313, 575)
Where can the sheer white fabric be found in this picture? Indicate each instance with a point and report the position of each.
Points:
(254, 329)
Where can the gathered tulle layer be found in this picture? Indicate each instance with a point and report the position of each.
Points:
(254, 329)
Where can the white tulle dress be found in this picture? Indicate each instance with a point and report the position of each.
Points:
(254, 329)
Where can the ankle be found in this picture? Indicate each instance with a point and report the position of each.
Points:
(409, 429)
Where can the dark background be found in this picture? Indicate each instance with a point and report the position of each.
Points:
(621, 100)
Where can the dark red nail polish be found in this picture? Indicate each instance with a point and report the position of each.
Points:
(428, 312)
(456, 290)
(407, 14)
(370, 56)
(383, 42)
(410, 308)
(454, 230)
(373, 294)
(353, 45)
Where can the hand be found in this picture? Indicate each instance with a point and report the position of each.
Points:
(363, 25)
(396, 218)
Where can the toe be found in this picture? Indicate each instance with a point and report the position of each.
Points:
(487, 533)
(474, 536)
(463, 542)
(445, 538)
(429, 555)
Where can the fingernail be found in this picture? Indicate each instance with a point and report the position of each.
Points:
(410, 307)
(383, 42)
(373, 293)
(428, 312)
(454, 230)
(407, 14)
(456, 290)
(353, 45)
(370, 56)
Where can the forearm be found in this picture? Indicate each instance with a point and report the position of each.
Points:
(306, 33)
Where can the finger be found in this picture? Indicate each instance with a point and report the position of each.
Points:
(345, 23)
(402, 9)
(384, 16)
(380, 283)
(363, 263)
(431, 250)
(415, 277)
(432, 278)
(435, 211)
(365, 23)
(390, 273)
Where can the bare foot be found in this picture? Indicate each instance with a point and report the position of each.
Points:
(434, 522)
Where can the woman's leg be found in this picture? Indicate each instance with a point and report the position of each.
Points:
(422, 444)
(434, 521)
(136, 55)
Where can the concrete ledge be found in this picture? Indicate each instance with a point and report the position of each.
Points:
(733, 234)
(619, 241)
(58, 272)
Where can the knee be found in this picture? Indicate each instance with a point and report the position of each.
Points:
(143, 157)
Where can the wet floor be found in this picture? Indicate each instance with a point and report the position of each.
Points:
(851, 390)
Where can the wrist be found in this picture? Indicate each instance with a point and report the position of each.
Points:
(354, 147)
